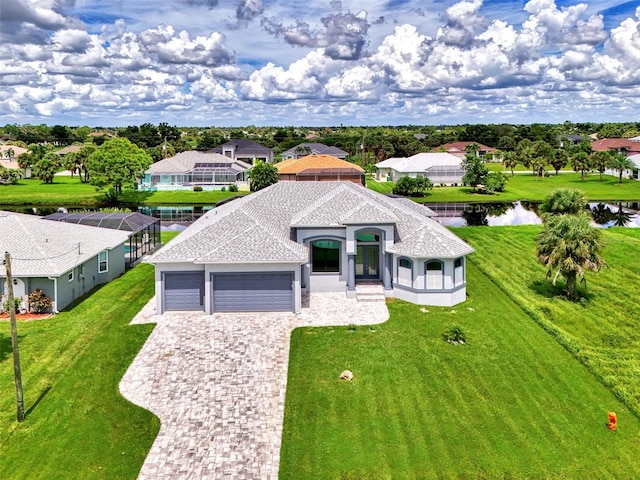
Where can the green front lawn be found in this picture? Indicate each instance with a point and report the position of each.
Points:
(67, 191)
(527, 187)
(512, 403)
(78, 426)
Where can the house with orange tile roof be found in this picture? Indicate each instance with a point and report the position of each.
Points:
(616, 145)
(320, 168)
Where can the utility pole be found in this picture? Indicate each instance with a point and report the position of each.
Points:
(14, 339)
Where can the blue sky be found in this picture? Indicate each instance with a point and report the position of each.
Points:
(266, 62)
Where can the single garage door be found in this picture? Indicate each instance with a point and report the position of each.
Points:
(253, 292)
(184, 291)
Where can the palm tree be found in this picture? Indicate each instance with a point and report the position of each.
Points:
(601, 161)
(564, 201)
(510, 161)
(570, 246)
(620, 162)
(9, 153)
(581, 162)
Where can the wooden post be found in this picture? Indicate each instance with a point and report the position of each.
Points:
(14, 340)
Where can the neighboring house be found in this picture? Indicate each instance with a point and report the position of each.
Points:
(305, 149)
(211, 171)
(573, 139)
(616, 145)
(64, 260)
(8, 158)
(630, 173)
(244, 150)
(69, 149)
(143, 230)
(440, 168)
(264, 251)
(459, 149)
(320, 168)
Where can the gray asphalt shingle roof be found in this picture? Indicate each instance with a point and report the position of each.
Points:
(186, 161)
(42, 248)
(259, 228)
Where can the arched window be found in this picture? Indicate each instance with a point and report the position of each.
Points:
(433, 271)
(458, 272)
(325, 256)
(405, 272)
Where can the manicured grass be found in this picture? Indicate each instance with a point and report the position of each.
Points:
(603, 332)
(67, 191)
(78, 426)
(512, 403)
(380, 187)
(527, 187)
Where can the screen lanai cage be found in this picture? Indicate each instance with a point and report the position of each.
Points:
(145, 230)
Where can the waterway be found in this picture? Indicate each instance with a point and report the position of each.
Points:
(449, 214)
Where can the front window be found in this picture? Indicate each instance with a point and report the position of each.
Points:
(458, 272)
(103, 262)
(433, 272)
(70, 276)
(405, 272)
(325, 256)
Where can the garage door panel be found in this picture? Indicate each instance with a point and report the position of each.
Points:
(253, 292)
(184, 291)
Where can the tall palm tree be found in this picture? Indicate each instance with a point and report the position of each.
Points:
(510, 161)
(601, 161)
(581, 162)
(620, 162)
(569, 247)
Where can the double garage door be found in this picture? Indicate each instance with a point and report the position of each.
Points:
(231, 292)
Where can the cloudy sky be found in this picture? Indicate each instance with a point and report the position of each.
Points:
(325, 62)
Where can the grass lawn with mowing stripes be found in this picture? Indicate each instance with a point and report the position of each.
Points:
(78, 426)
(603, 331)
(512, 403)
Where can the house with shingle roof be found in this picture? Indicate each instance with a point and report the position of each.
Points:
(441, 168)
(244, 150)
(263, 252)
(211, 171)
(319, 168)
(63, 260)
(616, 145)
(459, 149)
(304, 149)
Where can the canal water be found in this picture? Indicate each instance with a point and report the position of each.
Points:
(449, 214)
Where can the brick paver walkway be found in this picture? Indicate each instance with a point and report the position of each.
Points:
(217, 383)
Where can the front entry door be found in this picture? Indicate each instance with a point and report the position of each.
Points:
(367, 257)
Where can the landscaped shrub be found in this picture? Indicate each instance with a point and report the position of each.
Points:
(455, 335)
(6, 305)
(39, 302)
(197, 188)
(233, 187)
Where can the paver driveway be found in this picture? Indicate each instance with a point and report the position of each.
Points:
(217, 383)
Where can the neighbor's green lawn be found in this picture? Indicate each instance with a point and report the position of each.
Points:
(603, 333)
(512, 403)
(78, 426)
(67, 191)
(528, 187)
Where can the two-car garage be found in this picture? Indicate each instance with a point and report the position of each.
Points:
(230, 292)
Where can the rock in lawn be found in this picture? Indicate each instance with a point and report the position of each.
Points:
(346, 375)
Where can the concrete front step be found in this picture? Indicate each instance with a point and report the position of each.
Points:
(370, 293)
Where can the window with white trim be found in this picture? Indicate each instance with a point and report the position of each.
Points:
(103, 261)
(458, 272)
(434, 275)
(405, 272)
(70, 276)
